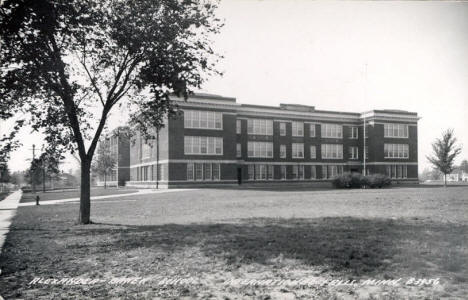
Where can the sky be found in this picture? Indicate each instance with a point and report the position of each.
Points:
(345, 56)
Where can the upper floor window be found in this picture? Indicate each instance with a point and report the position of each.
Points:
(332, 131)
(396, 151)
(203, 119)
(260, 149)
(353, 152)
(297, 129)
(395, 130)
(313, 152)
(282, 129)
(145, 149)
(354, 133)
(332, 151)
(282, 151)
(297, 150)
(238, 126)
(238, 150)
(260, 126)
(203, 145)
(312, 130)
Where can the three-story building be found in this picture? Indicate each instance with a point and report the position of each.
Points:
(218, 141)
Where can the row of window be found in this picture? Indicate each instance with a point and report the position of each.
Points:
(395, 130)
(203, 119)
(396, 151)
(148, 173)
(266, 172)
(203, 145)
(397, 171)
(214, 146)
(203, 171)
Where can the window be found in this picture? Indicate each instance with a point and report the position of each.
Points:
(312, 130)
(203, 145)
(353, 133)
(397, 171)
(238, 126)
(270, 173)
(216, 170)
(190, 171)
(145, 149)
(251, 170)
(313, 172)
(261, 172)
(239, 150)
(260, 126)
(203, 119)
(282, 129)
(297, 150)
(198, 171)
(366, 149)
(395, 130)
(313, 152)
(353, 153)
(282, 151)
(207, 169)
(330, 171)
(366, 132)
(203, 171)
(396, 151)
(260, 149)
(298, 172)
(332, 151)
(283, 172)
(297, 129)
(332, 131)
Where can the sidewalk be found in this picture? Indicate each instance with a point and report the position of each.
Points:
(8, 208)
(140, 192)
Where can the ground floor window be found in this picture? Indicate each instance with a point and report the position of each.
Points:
(313, 172)
(261, 172)
(330, 171)
(297, 172)
(203, 171)
(397, 171)
(283, 172)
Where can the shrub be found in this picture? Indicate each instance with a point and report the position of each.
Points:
(379, 181)
(357, 180)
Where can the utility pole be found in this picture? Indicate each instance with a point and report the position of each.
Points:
(32, 179)
(43, 170)
(157, 158)
(364, 172)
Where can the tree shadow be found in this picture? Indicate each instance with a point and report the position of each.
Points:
(343, 244)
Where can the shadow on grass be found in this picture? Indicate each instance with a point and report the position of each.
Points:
(355, 246)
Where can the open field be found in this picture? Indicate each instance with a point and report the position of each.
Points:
(216, 235)
(75, 193)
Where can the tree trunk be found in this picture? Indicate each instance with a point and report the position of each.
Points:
(445, 180)
(85, 193)
(105, 180)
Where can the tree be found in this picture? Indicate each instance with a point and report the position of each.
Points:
(444, 153)
(105, 161)
(464, 166)
(62, 60)
(5, 176)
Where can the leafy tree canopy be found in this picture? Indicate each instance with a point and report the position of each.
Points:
(66, 63)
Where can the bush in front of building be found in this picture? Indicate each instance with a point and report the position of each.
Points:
(357, 180)
(379, 181)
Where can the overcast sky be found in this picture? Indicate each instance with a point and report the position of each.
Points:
(315, 53)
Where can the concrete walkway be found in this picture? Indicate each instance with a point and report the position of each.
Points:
(8, 208)
(140, 192)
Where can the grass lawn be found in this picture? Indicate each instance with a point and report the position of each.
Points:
(75, 193)
(214, 235)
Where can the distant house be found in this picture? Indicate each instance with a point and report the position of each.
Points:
(453, 177)
(464, 177)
